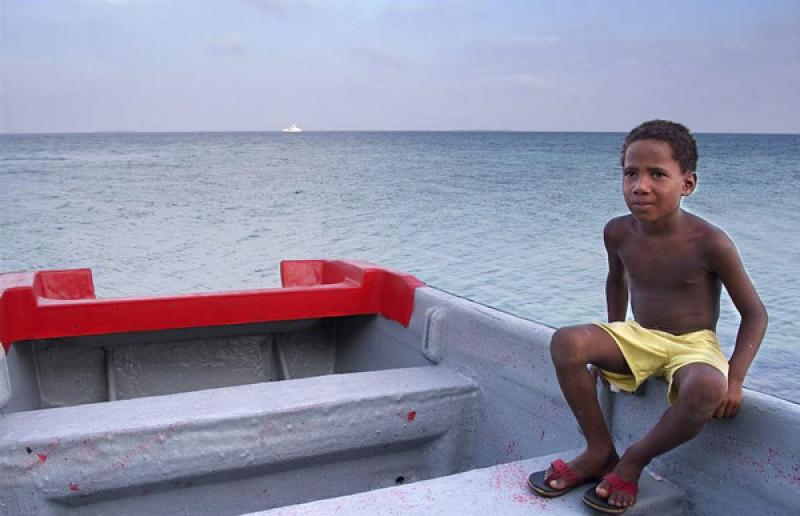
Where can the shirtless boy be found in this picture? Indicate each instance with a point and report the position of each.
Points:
(673, 264)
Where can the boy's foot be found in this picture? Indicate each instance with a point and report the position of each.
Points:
(613, 495)
(558, 472)
(561, 477)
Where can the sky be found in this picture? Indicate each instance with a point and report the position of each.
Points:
(532, 65)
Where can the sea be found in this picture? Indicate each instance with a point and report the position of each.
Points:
(512, 220)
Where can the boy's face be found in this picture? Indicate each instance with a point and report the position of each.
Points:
(652, 180)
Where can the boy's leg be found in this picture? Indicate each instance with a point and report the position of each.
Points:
(572, 348)
(701, 388)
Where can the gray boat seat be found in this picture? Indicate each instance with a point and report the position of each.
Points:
(212, 451)
(498, 490)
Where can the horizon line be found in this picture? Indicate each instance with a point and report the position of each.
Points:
(279, 131)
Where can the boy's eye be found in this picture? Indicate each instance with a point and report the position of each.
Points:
(628, 173)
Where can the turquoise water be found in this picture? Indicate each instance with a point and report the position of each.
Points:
(512, 220)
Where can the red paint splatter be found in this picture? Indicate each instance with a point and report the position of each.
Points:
(74, 487)
(41, 458)
(509, 482)
(411, 415)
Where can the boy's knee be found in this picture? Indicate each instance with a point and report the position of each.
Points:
(703, 393)
(567, 346)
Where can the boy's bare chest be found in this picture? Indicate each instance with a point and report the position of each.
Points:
(664, 264)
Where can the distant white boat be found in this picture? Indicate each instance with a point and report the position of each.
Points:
(292, 129)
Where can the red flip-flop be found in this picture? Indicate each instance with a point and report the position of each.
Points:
(559, 470)
(615, 485)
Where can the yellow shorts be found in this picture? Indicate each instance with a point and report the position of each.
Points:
(658, 353)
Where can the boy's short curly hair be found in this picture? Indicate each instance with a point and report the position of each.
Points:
(677, 136)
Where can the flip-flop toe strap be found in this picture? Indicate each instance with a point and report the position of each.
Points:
(616, 485)
(559, 470)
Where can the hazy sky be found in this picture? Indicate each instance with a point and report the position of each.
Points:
(214, 65)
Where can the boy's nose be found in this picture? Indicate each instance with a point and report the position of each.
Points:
(641, 186)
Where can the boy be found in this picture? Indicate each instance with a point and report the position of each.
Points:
(673, 264)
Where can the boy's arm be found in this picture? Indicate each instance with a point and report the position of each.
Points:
(752, 326)
(616, 284)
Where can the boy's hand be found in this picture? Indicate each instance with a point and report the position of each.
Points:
(731, 402)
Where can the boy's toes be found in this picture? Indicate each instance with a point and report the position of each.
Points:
(617, 499)
(556, 483)
(602, 489)
(612, 495)
(621, 500)
(626, 500)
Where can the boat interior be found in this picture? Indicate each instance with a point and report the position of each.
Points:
(351, 390)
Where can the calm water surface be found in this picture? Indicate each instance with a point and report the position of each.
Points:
(512, 220)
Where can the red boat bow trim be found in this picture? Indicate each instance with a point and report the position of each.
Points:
(52, 304)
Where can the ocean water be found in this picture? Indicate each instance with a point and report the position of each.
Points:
(511, 220)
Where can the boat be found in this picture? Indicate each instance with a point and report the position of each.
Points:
(351, 389)
(292, 129)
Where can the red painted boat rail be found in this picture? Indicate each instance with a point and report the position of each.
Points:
(53, 304)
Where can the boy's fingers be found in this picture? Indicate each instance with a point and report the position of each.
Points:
(730, 408)
(723, 410)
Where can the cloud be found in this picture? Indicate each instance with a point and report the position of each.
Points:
(526, 79)
(230, 43)
(282, 7)
(535, 41)
(113, 2)
(377, 59)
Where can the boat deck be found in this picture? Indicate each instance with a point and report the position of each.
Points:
(499, 490)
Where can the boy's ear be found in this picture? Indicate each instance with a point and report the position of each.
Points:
(689, 183)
